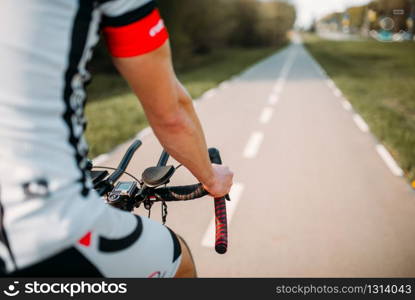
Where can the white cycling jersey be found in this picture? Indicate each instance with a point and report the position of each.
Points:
(46, 199)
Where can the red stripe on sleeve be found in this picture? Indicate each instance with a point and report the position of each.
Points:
(137, 38)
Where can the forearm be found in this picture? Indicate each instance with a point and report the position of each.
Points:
(182, 137)
(169, 110)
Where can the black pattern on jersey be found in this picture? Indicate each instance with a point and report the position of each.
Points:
(5, 241)
(74, 91)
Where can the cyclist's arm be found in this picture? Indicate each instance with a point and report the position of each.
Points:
(171, 114)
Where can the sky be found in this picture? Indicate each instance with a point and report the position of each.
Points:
(307, 10)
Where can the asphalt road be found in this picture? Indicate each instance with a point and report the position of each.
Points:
(313, 196)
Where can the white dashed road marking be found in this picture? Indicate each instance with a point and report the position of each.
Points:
(273, 99)
(320, 70)
(331, 84)
(346, 105)
(266, 115)
(235, 194)
(223, 85)
(100, 159)
(278, 86)
(253, 145)
(360, 123)
(284, 73)
(337, 93)
(388, 159)
(209, 94)
(288, 64)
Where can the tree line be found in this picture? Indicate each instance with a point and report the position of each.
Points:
(199, 27)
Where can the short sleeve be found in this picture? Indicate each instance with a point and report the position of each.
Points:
(132, 27)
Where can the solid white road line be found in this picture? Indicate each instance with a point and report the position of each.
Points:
(266, 115)
(346, 105)
(273, 99)
(253, 145)
(388, 159)
(360, 123)
(208, 239)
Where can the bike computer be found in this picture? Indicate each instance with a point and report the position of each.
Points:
(122, 196)
(124, 188)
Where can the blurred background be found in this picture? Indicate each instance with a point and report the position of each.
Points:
(312, 103)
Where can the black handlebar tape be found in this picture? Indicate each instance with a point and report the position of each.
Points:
(180, 193)
(221, 222)
(125, 161)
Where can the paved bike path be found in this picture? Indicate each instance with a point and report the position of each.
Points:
(313, 197)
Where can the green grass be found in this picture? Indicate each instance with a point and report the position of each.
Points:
(115, 115)
(379, 80)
